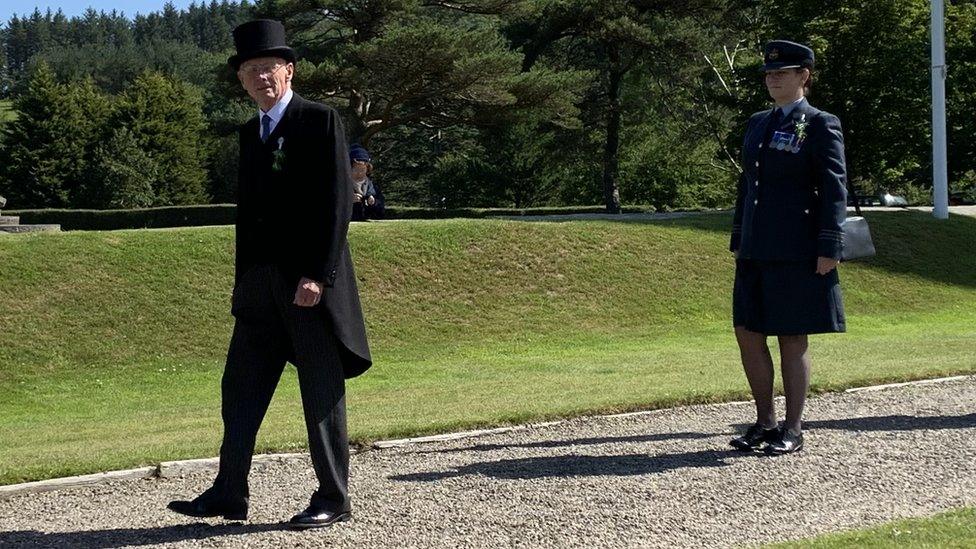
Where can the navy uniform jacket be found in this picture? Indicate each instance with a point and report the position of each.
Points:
(791, 203)
(294, 212)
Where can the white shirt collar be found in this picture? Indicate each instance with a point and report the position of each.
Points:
(277, 111)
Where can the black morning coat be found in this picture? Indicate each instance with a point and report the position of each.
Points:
(293, 209)
(790, 204)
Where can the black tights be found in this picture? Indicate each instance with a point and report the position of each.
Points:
(758, 364)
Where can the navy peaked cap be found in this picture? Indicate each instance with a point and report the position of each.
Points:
(783, 54)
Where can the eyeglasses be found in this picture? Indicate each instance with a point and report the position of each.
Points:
(260, 70)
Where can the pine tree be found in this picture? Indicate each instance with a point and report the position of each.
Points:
(4, 73)
(16, 45)
(434, 65)
(50, 143)
(165, 116)
(611, 38)
(120, 175)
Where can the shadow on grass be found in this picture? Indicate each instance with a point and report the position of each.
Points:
(575, 442)
(129, 537)
(582, 466)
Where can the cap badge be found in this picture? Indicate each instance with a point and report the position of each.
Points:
(774, 54)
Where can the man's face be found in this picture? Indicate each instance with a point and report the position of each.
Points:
(266, 79)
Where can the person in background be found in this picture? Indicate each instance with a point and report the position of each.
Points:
(368, 201)
(787, 240)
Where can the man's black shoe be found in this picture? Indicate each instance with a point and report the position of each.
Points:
(314, 517)
(211, 504)
(786, 443)
(754, 437)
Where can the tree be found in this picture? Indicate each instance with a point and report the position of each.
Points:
(50, 143)
(4, 74)
(611, 37)
(15, 45)
(120, 175)
(165, 117)
(961, 97)
(429, 64)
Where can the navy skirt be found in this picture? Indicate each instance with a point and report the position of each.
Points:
(786, 298)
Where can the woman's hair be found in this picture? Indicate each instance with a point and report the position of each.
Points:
(809, 83)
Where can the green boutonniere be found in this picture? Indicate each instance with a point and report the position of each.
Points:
(278, 156)
(801, 128)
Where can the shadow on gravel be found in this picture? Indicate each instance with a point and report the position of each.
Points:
(128, 537)
(575, 442)
(582, 466)
(895, 423)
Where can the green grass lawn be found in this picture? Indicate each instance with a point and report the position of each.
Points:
(952, 530)
(112, 343)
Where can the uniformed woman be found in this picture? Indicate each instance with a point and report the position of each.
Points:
(786, 237)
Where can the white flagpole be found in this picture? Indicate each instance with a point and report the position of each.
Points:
(940, 172)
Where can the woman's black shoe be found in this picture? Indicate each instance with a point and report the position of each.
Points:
(785, 443)
(754, 437)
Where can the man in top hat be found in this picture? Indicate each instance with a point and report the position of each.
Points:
(295, 297)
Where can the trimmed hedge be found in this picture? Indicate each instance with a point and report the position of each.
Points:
(143, 218)
(223, 214)
(408, 212)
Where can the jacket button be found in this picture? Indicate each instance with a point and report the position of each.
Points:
(757, 163)
(760, 145)
(756, 202)
(757, 183)
(806, 211)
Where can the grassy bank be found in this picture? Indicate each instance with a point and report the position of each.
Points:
(112, 343)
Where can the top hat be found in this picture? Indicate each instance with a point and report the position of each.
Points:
(782, 54)
(260, 38)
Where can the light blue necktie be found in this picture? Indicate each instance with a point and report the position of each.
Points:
(265, 128)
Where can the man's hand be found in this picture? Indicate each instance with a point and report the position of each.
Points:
(356, 197)
(826, 264)
(309, 293)
(370, 200)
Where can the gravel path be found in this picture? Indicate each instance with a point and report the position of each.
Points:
(657, 479)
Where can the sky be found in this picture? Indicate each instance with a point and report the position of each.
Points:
(77, 7)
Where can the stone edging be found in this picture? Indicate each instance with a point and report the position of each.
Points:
(172, 469)
(166, 469)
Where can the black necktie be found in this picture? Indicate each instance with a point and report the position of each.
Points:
(774, 120)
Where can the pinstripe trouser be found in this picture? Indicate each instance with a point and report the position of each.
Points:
(269, 331)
